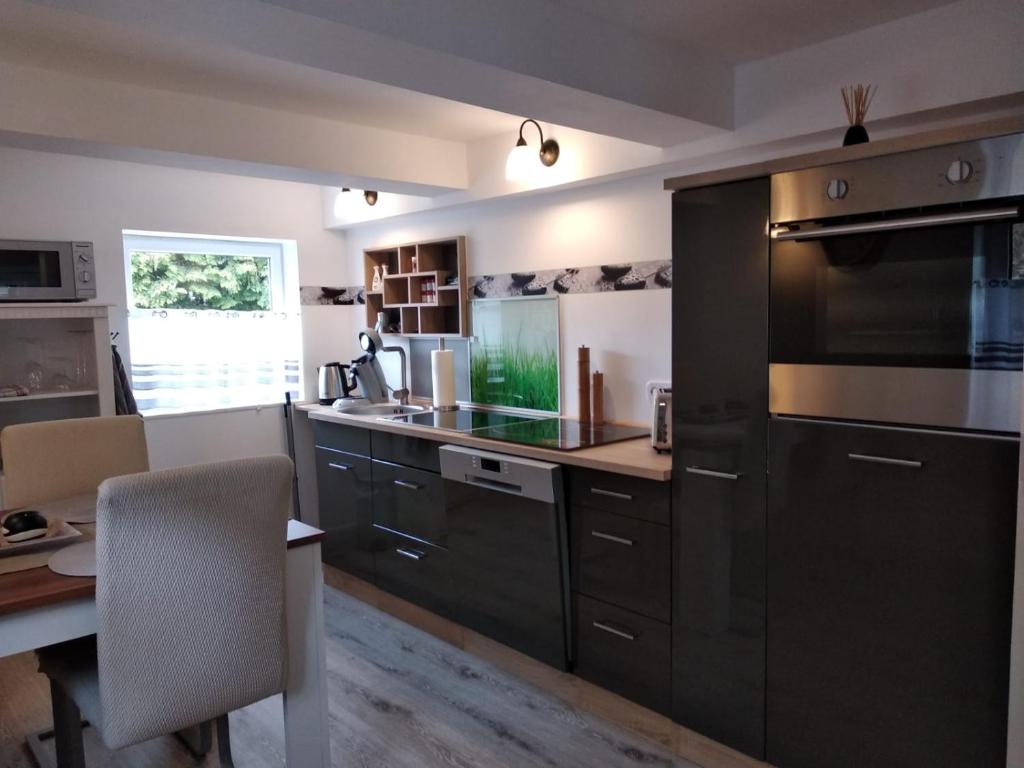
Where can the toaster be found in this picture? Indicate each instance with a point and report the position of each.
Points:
(661, 420)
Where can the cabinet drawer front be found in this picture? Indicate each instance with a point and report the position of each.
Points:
(624, 652)
(409, 451)
(414, 571)
(342, 437)
(623, 561)
(621, 494)
(409, 501)
(344, 490)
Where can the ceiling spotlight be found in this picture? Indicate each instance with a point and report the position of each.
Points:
(520, 159)
(370, 195)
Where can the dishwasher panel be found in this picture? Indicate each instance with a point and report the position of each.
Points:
(509, 550)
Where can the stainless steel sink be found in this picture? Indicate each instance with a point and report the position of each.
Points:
(381, 409)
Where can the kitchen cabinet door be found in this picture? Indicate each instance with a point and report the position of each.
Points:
(720, 415)
(410, 502)
(623, 652)
(890, 565)
(344, 488)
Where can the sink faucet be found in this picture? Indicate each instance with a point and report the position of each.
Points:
(401, 394)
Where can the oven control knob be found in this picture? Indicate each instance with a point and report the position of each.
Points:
(837, 189)
(959, 171)
(84, 257)
(86, 277)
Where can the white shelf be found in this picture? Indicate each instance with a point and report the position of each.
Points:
(52, 310)
(50, 396)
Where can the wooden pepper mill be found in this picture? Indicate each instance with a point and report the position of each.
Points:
(597, 398)
(583, 364)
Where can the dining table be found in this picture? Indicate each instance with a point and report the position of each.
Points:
(39, 607)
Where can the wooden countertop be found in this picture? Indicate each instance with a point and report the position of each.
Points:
(910, 142)
(630, 457)
(38, 587)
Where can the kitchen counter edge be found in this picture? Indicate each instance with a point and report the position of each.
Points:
(635, 458)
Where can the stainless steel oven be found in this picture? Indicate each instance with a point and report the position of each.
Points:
(897, 288)
(46, 270)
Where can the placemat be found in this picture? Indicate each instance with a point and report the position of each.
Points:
(40, 558)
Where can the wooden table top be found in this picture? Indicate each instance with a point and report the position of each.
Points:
(38, 587)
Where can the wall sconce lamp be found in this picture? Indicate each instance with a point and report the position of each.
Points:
(369, 195)
(519, 162)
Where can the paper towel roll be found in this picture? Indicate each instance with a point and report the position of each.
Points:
(442, 373)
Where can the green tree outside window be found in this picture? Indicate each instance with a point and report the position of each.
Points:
(200, 281)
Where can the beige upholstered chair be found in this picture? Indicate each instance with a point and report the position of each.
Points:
(48, 460)
(190, 601)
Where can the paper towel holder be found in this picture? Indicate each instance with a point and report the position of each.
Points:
(444, 408)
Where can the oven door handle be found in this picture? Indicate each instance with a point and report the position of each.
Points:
(972, 217)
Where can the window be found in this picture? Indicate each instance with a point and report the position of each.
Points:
(213, 322)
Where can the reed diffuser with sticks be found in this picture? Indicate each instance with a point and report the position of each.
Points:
(857, 100)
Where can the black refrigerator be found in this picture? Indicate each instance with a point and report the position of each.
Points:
(720, 423)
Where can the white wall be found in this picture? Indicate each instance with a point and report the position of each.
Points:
(49, 196)
(629, 220)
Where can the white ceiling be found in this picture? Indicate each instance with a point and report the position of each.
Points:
(51, 39)
(744, 30)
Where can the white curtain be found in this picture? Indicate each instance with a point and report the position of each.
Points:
(190, 360)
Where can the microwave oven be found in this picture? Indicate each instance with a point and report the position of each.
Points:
(46, 270)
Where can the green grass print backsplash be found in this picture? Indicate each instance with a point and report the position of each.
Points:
(513, 359)
(509, 376)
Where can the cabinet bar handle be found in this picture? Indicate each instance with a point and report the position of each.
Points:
(714, 473)
(885, 460)
(610, 537)
(342, 467)
(613, 631)
(407, 484)
(613, 494)
(412, 554)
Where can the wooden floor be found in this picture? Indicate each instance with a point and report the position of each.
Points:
(421, 692)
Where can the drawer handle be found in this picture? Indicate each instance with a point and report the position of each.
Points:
(407, 484)
(612, 494)
(714, 473)
(908, 463)
(342, 467)
(412, 554)
(613, 631)
(610, 537)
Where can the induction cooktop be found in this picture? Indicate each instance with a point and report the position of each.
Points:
(542, 431)
(464, 419)
(560, 434)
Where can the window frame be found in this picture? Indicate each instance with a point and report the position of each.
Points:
(284, 288)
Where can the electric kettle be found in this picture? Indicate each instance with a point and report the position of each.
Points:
(333, 382)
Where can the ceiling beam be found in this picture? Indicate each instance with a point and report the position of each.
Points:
(513, 57)
(44, 109)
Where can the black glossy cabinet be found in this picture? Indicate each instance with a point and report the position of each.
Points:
(621, 564)
(623, 561)
(415, 571)
(890, 574)
(344, 490)
(408, 451)
(720, 407)
(620, 494)
(342, 437)
(409, 501)
(624, 652)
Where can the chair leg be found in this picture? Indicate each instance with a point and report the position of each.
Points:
(224, 742)
(67, 729)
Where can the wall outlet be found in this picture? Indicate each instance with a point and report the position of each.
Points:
(653, 385)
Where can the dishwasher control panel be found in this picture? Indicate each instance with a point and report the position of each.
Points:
(530, 478)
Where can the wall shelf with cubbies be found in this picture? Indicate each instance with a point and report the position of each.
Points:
(425, 291)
